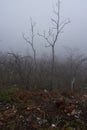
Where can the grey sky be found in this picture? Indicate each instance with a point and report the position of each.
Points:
(14, 19)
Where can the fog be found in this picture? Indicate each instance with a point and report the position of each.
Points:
(15, 19)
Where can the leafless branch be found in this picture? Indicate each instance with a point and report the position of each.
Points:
(63, 25)
(32, 25)
(54, 21)
(26, 39)
(46, 38)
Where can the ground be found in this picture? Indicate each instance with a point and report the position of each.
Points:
(42, 110)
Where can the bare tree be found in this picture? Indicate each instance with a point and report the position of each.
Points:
(22, 69)
(52, 35)
(74, 65)
(29, 40)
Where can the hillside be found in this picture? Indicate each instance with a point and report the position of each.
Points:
(42, 110)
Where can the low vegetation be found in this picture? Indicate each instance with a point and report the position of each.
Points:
(42, 110)
(17, 70)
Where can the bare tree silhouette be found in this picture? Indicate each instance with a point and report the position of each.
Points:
(51, 36)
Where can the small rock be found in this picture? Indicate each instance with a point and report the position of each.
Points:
(53, 125)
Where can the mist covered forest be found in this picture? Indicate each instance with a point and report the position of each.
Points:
(43, 92)
(22, 71)
(44, 72)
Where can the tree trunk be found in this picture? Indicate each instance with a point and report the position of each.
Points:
(52, 69)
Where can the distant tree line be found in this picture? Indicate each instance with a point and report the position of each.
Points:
(20, 71)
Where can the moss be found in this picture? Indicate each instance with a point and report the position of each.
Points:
(8, 95)
(11, 125)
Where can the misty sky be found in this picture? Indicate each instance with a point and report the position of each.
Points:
(15, 15)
